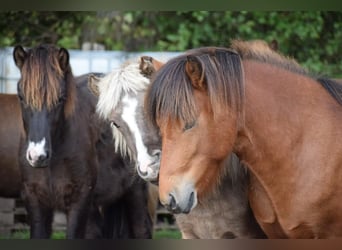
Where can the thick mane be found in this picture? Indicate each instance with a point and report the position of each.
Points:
(170, 95)
(259, 50)
(127, 78)
(41, 75)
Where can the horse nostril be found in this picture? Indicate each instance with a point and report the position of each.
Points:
(173, 204)
(141, 173)
(42, 157)
(190, 203)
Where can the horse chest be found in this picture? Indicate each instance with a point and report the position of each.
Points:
(59, 186)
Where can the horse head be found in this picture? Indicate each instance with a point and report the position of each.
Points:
(47, 95)
(194, 103)
(121, 99)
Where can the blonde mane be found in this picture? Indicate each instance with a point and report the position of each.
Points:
(126, 79)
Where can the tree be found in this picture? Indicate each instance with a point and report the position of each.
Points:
(311, 37)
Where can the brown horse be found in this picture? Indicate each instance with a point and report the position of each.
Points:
(59, 152)
(281, 122)
(10, 127)
(225, 213)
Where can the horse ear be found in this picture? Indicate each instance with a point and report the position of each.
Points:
(93, 84)
(195, 72)
(157, 64)
(146, 59)
(63, 57)
(146, 66)
(19, 55)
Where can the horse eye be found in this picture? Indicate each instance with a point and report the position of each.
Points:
(189, 125)
(113, 123)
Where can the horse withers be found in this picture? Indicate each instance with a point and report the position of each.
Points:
(226, 212)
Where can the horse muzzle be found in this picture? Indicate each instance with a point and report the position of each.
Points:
(151, 173)
(37, 155)
(40, 162)
(182, 201)
(149, 170)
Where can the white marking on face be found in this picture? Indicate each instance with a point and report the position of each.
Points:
(144, 160)
(35, 150)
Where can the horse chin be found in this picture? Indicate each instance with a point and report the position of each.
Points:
(35, 164)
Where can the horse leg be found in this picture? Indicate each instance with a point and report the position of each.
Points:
(77, 215)
(40, 214)
(41, 222)
(137, 210)
(116, 223)
(94, 224)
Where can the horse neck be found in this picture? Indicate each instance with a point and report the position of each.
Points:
(281, 111)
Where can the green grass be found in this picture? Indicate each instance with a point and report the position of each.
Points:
(167, 234)
(158, 234)
(24, 234)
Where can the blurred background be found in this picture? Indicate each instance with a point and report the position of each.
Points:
(314, 38)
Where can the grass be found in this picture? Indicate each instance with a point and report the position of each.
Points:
(24, 234)
(167, 234)
(158, 234)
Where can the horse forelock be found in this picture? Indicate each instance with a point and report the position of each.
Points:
(41, 77)
(127, 78)
(171, 93)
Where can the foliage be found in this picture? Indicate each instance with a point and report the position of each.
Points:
(30, 28)
(312, 37)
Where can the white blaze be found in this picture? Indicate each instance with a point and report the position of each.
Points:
(129, 110)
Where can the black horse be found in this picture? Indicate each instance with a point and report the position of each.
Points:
(59, 150)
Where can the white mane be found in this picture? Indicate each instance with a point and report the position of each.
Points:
(127, 78)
